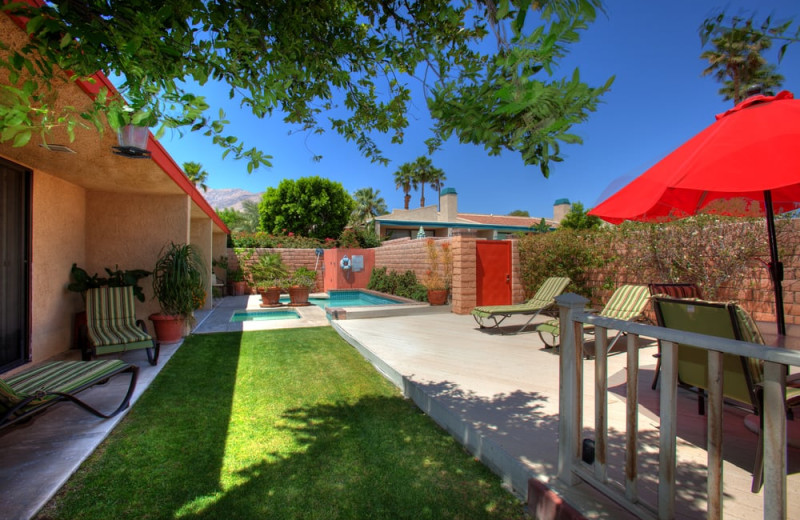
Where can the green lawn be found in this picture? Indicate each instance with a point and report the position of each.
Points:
(278, 424)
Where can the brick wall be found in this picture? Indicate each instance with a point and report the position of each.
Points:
(755, 295)
(293, 258)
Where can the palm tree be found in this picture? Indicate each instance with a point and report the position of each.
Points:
(250, 216)
(196, 174)
(368, 204)
(404, 179)
(426, 173)
(737, 63)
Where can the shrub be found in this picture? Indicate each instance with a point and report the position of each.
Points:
(392, 282)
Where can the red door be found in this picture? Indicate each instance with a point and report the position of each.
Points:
(494, 272)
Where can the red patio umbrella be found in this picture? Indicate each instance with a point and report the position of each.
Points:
(747, 163)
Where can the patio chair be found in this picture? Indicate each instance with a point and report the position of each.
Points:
(112, 326)
(673, 290)
(742, 376)
(542, 301)
(627, 303)
(32, 391)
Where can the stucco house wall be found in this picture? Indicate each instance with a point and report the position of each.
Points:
(58, 239)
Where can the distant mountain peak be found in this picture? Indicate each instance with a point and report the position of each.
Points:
(230, 198)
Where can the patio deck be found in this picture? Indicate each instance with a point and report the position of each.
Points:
(495, 393)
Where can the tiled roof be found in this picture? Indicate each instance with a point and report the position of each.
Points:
(501, 220)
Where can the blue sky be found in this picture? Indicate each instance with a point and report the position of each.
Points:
(658, 100)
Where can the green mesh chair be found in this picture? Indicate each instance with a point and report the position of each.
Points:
(542, 301)
(112, 327)
(742, 376)
(627, 303)
(32, 391)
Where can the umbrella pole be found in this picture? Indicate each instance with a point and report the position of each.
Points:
(775, 266)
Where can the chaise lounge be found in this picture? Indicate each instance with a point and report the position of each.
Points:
(33, 391)
(542, 301)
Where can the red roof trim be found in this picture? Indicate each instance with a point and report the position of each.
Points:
(158, 152)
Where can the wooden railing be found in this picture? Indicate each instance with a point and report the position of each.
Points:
(571, 468)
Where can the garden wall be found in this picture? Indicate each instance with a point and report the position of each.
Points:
(755, 295)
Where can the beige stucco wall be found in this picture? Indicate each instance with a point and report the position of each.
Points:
(201, 238)
(130, 230)
(58, 239)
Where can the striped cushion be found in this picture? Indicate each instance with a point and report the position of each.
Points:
(111, 317)
(60, 376)
(543, 298)
(676, 290)
(627, 302)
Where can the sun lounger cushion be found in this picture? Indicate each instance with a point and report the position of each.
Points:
(544, 297)
(111, 324)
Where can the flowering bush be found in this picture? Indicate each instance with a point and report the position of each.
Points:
(290, 241)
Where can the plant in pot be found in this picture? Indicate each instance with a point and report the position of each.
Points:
(237, 281)
(440, 272)
(179, 286)
(299, 286)
(268, 273)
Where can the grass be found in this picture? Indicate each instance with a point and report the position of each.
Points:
(278, 424)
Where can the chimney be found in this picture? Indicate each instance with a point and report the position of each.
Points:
(449, 205)
(560, 209)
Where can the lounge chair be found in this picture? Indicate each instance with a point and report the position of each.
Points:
(542, 301)
(672, 290)
(112, 326)
(627, 303)
(35, 390)
(742, 375)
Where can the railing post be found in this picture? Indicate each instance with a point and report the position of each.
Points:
(668, 431)
(714, 444)
(570, 391)
(774, 436)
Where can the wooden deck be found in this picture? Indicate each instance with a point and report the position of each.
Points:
(499, 395)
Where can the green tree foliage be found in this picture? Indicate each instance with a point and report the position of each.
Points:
(368, 204)
(232, 218)
(578, 218)
(310, 207)
(196, 174)
(780, 32)
(542, 226)
(736, 61)
(250, 215)
(519, 213)
(321, 65)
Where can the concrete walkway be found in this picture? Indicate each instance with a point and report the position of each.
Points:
(497, 394)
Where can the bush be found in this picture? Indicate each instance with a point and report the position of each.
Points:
(392, 282)
(564, 252)
(261, 239)
(364, 238)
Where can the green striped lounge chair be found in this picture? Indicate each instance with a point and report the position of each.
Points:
(543, 300)
(627, 303)
(112, 327)
(34, 390)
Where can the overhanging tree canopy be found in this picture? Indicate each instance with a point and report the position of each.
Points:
(348, 61)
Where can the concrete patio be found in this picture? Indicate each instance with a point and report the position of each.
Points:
(495, 393)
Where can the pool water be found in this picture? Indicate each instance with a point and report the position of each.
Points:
(264, 315)
(346, 298)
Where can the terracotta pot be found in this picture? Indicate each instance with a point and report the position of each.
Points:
(437, 296)
(271, 297)
(168, 329)
(239, 288)
(298, 296)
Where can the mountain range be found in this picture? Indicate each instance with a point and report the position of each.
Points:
(230, 198)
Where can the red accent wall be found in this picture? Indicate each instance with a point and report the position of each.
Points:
(338, 278)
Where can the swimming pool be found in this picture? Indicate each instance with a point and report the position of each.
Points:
(264, 315)
(350, 298)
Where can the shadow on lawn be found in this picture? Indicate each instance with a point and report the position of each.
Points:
(375, 458)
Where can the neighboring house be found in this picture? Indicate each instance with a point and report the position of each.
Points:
(83, 204)
(448, 221)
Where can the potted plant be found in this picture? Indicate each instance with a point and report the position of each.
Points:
(268, 274)
(440, 272)
(179, 286)
(299, 286)
(237, 281)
